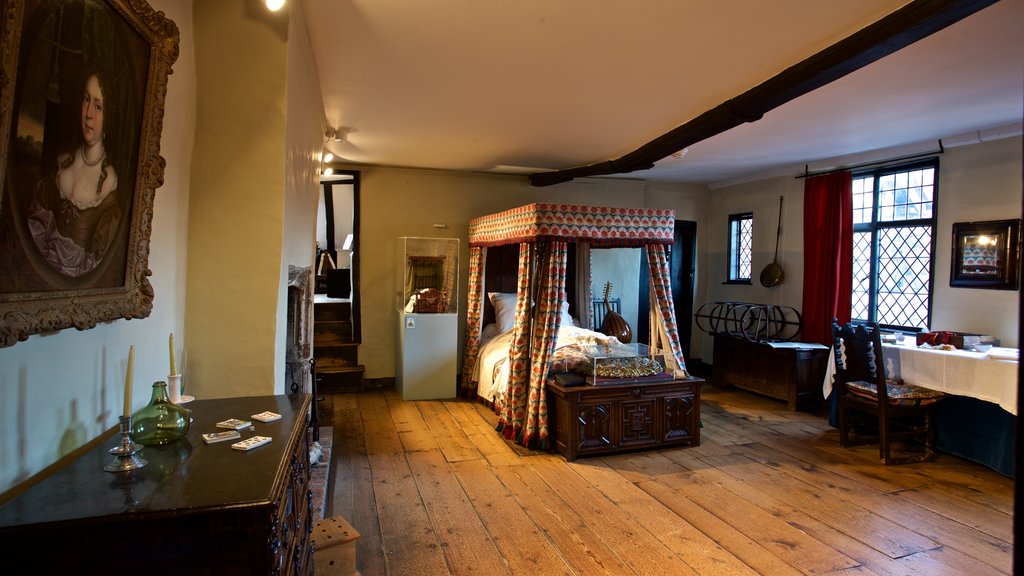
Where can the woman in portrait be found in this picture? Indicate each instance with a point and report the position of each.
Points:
(75, 213)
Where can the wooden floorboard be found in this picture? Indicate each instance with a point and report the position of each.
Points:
(432, 488)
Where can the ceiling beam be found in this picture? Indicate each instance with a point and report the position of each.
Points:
(898, 30)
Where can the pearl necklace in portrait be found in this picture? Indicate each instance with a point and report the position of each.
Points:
(95, 162)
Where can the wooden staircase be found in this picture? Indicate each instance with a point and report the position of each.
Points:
(336, 354)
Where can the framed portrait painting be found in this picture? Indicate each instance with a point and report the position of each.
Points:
(82, 87)
(986, 255)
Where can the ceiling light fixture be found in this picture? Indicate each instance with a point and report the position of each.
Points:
(274, 5)
(328, 171)
(336, 135)
(328, 157)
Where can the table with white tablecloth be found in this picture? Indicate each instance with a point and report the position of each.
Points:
(977, 420)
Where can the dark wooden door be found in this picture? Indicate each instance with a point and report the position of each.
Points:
(683, 274)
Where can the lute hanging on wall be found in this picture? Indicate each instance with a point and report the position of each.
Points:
(614, 324)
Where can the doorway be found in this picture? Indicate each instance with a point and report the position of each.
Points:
(337, 237)
(682, 259)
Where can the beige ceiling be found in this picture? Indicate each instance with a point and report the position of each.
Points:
(530, 85)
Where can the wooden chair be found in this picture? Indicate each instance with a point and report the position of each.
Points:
(894, 410)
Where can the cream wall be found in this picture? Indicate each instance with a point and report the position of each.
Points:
(237, 208)
(979, 182)
(976, 182)
(303, 146)
(60, 390)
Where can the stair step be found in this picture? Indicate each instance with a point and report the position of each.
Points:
(334, 331)
(337, 356)
(344, 353)
(346, 379)
(332, 311)
(331, 364)
(337, 345)
(334, 323)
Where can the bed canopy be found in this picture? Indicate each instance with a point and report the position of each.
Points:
(543, 232)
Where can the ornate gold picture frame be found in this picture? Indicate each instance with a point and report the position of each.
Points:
(82, 88)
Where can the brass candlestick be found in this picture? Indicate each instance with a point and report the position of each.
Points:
(125, 457)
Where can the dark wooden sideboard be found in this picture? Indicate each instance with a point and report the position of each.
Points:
(793, 374)
(594, 420)
(194, 509)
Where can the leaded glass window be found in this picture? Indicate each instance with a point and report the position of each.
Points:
(741, 246)
(893, 245)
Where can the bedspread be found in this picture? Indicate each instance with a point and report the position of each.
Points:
(492, 365)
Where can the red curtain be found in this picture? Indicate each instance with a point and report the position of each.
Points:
(828, 254)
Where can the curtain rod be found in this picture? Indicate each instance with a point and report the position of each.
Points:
(809, 174)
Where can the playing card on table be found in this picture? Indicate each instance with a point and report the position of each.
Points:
(250, 443)
(215, 437)
(267, 416)
(234, 424)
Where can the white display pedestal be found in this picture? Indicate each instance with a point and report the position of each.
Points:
(426, 365)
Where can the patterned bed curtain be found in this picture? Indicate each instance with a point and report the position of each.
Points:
(584, 297)
(474, 316)
(511, 408)
(450, 275)
(664, 331)
(545, 335)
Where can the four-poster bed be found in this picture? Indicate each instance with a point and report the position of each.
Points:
(545, 235)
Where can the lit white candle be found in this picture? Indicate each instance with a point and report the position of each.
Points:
(171, 345)
(128, 382)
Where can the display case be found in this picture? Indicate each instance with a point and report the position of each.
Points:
(619, 363)
(426, 297)
(427, 275)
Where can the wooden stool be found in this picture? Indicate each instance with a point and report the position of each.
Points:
(334, 547)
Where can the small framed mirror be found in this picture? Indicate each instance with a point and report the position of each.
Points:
(986, 255)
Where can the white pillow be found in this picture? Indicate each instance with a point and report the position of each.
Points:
(504, 310)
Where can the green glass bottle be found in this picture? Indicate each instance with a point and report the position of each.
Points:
(161, 421)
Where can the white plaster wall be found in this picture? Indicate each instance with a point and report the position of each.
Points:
(60, 390)
(303, 145)
(976, 183)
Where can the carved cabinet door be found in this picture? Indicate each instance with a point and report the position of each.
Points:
(595, 426)
(679, 417)
(638, 420)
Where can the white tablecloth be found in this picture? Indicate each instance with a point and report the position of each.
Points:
(985, 376)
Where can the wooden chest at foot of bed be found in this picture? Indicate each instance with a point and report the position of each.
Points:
(595, 420)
